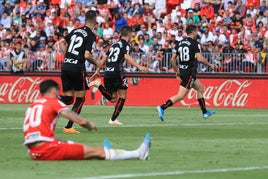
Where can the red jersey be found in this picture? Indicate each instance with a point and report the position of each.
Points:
(41, 118)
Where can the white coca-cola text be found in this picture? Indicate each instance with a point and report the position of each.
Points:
(23, 90)
(230, 93)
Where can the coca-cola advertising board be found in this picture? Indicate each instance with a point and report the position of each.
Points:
(222, 93)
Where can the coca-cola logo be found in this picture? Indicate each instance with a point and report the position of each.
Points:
(230, 93)
(23, 90)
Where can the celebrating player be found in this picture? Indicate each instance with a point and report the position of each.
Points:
(77, 46)
(115, 80)
(39, 137)
(188, 51)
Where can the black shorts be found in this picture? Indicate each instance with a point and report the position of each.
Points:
(187, 80)
(71, 80)
(114, 84)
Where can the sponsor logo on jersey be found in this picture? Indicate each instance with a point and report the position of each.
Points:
(69, 60)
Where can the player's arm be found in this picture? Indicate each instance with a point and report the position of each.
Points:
(72, 116)
(174, 64)
(63, 45)
(203, 60)
(101, 62)
(89, 57)
(131, 61)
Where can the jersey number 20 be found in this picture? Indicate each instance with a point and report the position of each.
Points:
(33, 117)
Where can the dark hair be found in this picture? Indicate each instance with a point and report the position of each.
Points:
(91, 15)
(126, 30)
(191, 28)
(46, 85)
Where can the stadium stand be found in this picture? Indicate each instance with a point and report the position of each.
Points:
(234, 37)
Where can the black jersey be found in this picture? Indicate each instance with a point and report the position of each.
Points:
(79, 40)
(186, 50)
(114, 63)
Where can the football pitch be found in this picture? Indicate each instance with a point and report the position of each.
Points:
(231, 144)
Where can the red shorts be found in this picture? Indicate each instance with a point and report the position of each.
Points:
(57, 150)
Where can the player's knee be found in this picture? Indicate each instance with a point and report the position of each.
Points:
(67, 99)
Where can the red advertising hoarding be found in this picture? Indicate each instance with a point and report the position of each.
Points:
(223, 93)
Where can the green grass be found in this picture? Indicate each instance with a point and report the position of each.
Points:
(184, 146)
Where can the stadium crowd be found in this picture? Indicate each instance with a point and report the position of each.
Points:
(233, 33)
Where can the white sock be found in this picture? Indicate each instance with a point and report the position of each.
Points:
(118, 154)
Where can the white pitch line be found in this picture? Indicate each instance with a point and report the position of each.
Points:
(219, 170)
(164, 124)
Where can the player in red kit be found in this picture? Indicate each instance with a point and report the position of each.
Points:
(39, 125)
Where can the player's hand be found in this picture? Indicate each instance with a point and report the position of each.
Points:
(92, 126)
(143, 69)
(213, 67)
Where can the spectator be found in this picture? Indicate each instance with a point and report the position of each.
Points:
(147, 40)
(148, 15)
(207, 54)
(18, 59)
(151, 3)
(29, 10)
(216, 4)
(233, 36)
(228, 58)
(252, 10)
(240, 8)
(167, 53)
(119, 21)
(160, 7)
(107, 31)
(128, 8)
(137, 9)
(138, 55)
(156, 64)
(136, 21)
(142, 46)
(216, 58)
(133, 2)
(6, 20)
(168, 21)
(179, 11)
(142, 31)
(261, 18)
(40, 9)
(4, 59)
(206, 36)
(248, 62)
(192, 18)
(180, 35)
(194, 2)
(207, 10)
(263, 7)
(160, 26)
(113, 6)
(180, 19)
(8, 8)
(224, 5)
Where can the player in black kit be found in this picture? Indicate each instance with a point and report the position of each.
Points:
(115, 81)
(189, 52)
(77, 46)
